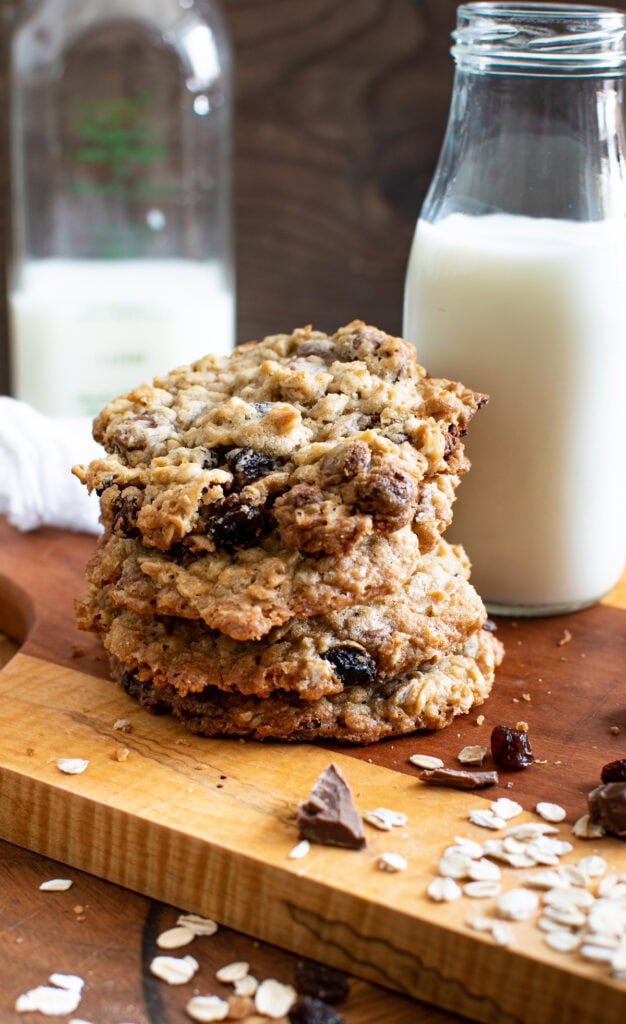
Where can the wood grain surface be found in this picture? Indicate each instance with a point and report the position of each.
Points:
(165, 823)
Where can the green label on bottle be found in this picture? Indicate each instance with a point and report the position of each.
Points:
(119, 145)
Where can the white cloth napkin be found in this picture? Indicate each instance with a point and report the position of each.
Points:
(37, 453)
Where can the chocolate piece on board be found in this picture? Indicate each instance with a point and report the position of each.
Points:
(328, 815)
(457, 779)
(607, 805)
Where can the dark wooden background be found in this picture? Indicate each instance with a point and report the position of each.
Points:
(340, 111)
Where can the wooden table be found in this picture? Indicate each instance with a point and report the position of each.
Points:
(115, 931)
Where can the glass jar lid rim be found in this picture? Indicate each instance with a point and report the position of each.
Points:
(537, 38)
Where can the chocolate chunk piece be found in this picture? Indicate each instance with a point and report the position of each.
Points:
(607, 806)
(314, 1011)
(615, 771)
(321, 981)
(328, 815)
(455, 778)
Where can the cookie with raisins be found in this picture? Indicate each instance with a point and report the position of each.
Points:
(313, 440)
(428, 697)
(245, 593)
(431, 615)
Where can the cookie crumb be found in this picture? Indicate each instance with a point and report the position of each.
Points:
(480, 720)
(120, 754)
(123, 725)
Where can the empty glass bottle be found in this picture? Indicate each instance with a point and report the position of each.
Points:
(121, 180)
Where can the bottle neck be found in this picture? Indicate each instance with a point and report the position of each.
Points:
(539, 146)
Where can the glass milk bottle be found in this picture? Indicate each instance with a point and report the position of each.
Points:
(121, 150)
(516, 285)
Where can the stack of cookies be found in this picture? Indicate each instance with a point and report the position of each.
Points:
(272, 564)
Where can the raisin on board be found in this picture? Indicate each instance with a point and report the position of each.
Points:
(321, 981)
(352, 666)
(314, 1011)
(510, 748)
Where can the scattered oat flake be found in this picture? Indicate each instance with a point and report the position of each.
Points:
(505, 808)
(426, 761)
(562, 940)
(550, 812)
(70, 982)
(391, 862)
(56, 885)
(123, 725)
(300, 850)
(479, 923)
(517, 904)
(240, 1008)
(526, 697)
(246, 986)
(481, 890)
(585, 828)
(174, 970)
(233, 972)
(52, 1002)
(473, 754)
(480, 720)
(196, 924)
(273, 999)
(443, 890)
(120, 754)
(565, 639)
(207, 1008)
(484, 870)
(174, 938)
(384, 819)
(486, 819)
(593, 866)
(72, 765)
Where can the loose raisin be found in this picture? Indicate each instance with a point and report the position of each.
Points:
(615, 771)
(352, 665)
(510, 748)
(247, 465)
(314, 1011)
(321, 981)
(234, 524)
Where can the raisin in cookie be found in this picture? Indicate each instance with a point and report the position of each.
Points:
(426, 698)
(245, 593)
(318, 440)
(431, 615)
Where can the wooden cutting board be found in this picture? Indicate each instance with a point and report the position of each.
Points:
(206, 825)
